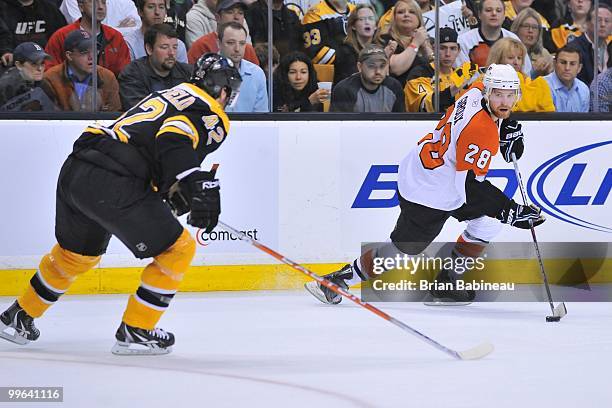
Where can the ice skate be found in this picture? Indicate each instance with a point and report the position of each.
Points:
(135, 341)
(326, 295)
(21, 323)
(448, 297)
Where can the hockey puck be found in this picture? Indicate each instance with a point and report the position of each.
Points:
(553, 318)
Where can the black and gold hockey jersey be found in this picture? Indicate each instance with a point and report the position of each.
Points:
(324, 31)
(173, 130)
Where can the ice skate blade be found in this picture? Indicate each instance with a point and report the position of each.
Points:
(477, 352)
(445, 303)
(127, 349)
(13, 338)
(314, 289)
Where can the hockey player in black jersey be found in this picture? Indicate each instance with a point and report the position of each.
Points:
(325, 26)
(131, 179)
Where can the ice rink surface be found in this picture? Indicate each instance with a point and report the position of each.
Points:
(285, 349)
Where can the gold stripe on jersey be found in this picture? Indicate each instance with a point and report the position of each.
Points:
(182, 125)
(323, 11)
(325, 55)
(215, 107)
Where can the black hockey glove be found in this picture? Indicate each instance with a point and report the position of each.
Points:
(511, 139)
(521, 216)
(198, 194)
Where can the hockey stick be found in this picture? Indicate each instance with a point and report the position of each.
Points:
(470, 354)
(559, 311)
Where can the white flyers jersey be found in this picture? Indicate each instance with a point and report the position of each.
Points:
(434, 173)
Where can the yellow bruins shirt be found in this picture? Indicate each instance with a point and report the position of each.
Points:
(564, 33)
(324, 31)
(511, 14)
(174, 130)
(419, 90)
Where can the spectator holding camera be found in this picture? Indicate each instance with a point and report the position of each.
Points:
(21, 87)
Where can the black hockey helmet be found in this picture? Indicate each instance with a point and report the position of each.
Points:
(212, 73)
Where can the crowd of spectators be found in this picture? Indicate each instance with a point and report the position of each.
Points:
(327, 55)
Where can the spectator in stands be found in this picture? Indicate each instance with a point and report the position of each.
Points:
(121, 14)
(467, 11)
(476, 43)
(20, 88)
(71, 81)
(200, 20)
(261, 50)
(31, 20)
(6, 47)
(151, 12)
(227, 11)
(158, 70)
(551, 10)
(113, 52)
(325, 29)
(361, 29)
(529, 30)
(536, 95)
(584, 43)
(371, 89)
(408, 39)
(295, 85)
(419, 90)
(286, 26)
(513, 7)
(569, 93)
(572, 25)
(176, 15)
(603, 88)
(253, 93)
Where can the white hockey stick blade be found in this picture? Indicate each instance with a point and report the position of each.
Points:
(125, 349)
(477, 352)
(13, 338)
(560, 310)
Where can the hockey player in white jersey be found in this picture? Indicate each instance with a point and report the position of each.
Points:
(443, 177)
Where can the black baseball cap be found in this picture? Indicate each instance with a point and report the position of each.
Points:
(447, 34)
(78, 40)
(29, 51)
(372, 51)
(228, 4)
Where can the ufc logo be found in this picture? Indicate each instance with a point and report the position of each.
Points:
(27, 27)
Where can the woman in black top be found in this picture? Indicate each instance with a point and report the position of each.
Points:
(295, 86)
(409, 38)
(361, 28)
